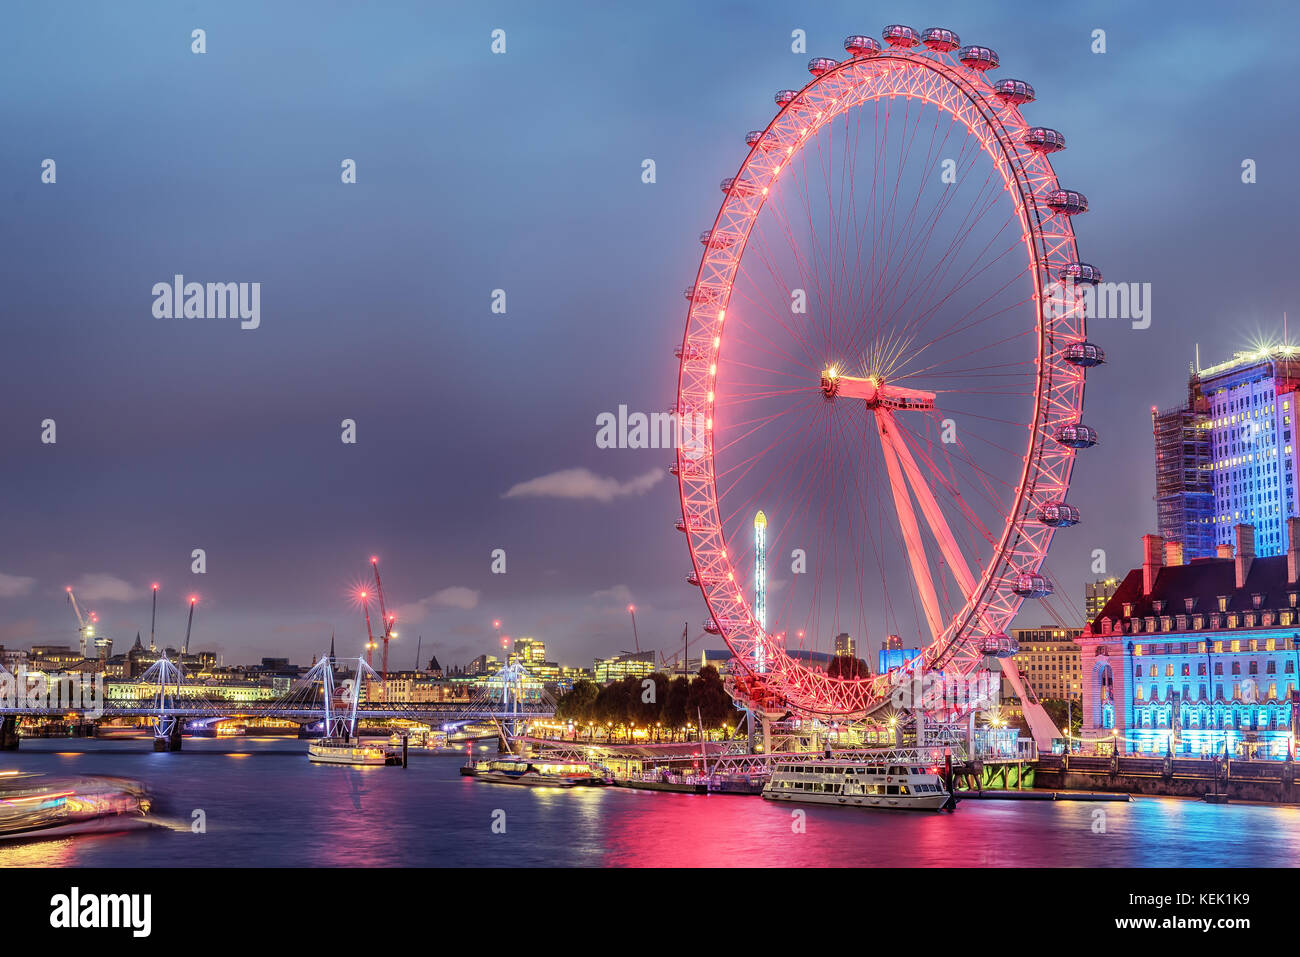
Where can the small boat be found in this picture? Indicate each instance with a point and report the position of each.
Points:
(339, 751)
(664, 781)
(532, 772)
(857, 784)
(744, 784)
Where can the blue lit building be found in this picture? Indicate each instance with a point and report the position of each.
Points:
(1188, 658)
(1229, 456)
(889, 658)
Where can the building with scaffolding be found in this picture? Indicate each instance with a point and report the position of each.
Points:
(1184, 476)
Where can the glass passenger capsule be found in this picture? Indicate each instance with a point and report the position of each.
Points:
(1032, 586)
(897, 35)
(1058, 514)
(998, 646)
(1076, 436)
(785, 96)
(821, 64)
(937, 38)
(1084, 354)
(861, 46)
(1040, 139)
(1014, 91)
(739, 187)
(978, 58)
(1068, 202)
(717, 240)
(1079, 272)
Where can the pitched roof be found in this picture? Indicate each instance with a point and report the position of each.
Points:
(1204, 580)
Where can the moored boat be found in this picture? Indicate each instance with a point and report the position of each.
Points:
(857, 784)
(532, 772)
(353, 752)
(664, 781)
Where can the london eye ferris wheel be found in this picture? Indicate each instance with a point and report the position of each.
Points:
(882, 367)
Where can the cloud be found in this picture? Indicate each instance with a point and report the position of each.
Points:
(102, 587)
(12, 586)
(454, 596)
(584, 484)
(619, 595)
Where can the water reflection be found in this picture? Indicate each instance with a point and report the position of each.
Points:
(275, 808)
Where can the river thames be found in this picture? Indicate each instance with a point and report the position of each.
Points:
(267, 806)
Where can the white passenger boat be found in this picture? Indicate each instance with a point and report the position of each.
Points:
(338, 751)
(857, 784)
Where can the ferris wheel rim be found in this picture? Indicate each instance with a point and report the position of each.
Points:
(818, 693)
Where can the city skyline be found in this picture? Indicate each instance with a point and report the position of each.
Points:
(183, 434)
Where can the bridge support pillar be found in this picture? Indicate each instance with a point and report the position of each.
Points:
(9, 733)
(168, 739)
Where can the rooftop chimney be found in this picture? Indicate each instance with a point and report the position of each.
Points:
(1173, 554)
(1245, 552)
(1292, 550)
(1153, 559)
(1223, 551)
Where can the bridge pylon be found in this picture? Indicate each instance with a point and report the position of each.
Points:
(167, 725)
(339, 699)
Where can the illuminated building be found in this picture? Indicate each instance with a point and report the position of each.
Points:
(413, 687)
(845, 646)
(1096, 594)
(893, 643)
(133, 692)
(891, 657)
(529, 650)
(631, 663)
(1191, 657)
(1048, 657)
(52, 658)
(1228, 456)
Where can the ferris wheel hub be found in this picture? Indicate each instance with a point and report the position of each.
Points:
(874, 391)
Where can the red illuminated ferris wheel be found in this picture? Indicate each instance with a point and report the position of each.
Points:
(877, 358)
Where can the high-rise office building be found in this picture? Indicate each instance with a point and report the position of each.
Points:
(1096, 594)
(1232, 445)
(845, 646)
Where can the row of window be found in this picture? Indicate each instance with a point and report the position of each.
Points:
(1252, 668)
(1251, 692)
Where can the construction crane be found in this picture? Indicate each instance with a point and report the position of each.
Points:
(185, 649)
(631, 610)
(153, 618)
(85, 629)
(364, 598)
(383, 613)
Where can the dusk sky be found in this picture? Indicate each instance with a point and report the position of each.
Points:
(521, 172)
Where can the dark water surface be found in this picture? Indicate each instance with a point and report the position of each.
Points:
(269, 807)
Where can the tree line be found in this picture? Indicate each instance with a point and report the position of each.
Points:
(661, 704)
